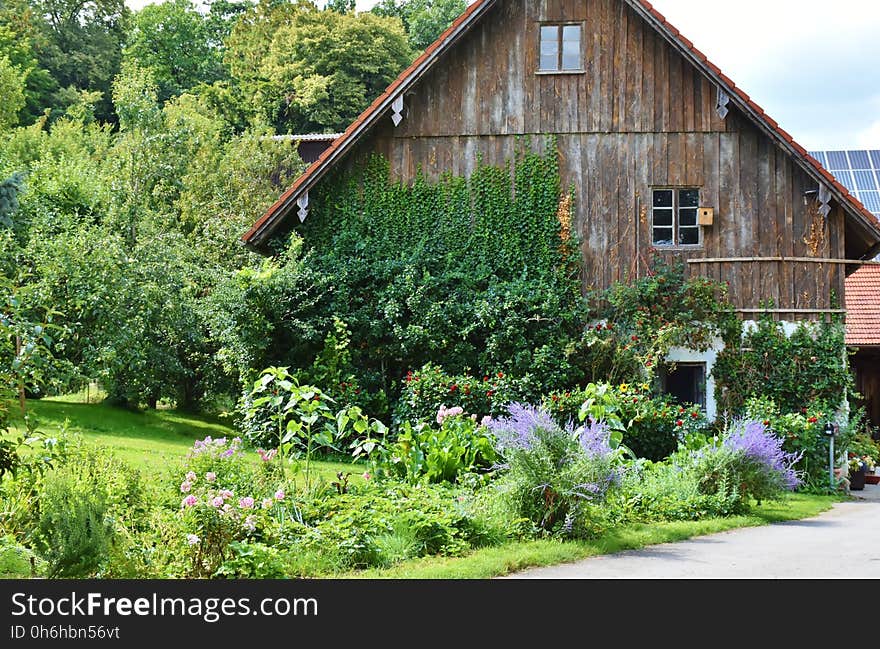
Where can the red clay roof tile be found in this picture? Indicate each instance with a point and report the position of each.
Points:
(863, 307)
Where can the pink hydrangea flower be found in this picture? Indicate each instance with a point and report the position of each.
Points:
(217, 501)
(192, 539)
(225, 493)
(191, 476)
(185, 487)
(445, 412)
(279, 495)
(366, 475)
(189, 501)
(250, 523)
(210, 476)
(267, 456)
(246, 503)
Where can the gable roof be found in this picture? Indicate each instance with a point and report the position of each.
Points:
(863, 307)
(264, 227)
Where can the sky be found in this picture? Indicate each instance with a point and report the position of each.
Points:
(812, 65)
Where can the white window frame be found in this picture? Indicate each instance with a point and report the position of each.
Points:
(676, 226)
(560, 47)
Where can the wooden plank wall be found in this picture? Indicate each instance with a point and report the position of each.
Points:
(638, 116)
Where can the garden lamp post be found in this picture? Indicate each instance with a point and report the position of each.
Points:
(830, 431)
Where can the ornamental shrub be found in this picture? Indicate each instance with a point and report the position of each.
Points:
(427, 389)
(806, 367)
(803, 434)
(748, 463)
(555, 477)
(652, 426)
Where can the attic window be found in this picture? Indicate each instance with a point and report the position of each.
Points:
(560, 48)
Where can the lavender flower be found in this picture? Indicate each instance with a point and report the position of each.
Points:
(761, 445)
(517, 432)
(595, 439)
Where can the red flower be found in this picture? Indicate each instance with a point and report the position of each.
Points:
(554, 398)
(467, 389)
(485, 378)
(609, 326)
(680, 409)
(679, 423)
(634, 338)
(635, 400)
(766, 422)
(598, 327)
(500, 375)
(489, 394)
(453, 387)
(812, 420)
(695, 415)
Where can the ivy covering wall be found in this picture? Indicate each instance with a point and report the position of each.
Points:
(476, 274)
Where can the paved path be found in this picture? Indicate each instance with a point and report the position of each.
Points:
(843, 543)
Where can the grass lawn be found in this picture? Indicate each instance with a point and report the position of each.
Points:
(150, 440)
(511, 557)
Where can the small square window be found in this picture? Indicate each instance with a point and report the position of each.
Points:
(674, 220)
(560, 48)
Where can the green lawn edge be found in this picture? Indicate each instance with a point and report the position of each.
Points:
(515, 556)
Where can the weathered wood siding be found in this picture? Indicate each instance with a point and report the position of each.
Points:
(638, 116)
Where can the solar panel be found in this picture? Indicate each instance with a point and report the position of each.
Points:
(859, 159)
(858, 171)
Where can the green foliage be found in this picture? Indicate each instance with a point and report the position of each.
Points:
(12, 85)
(465, 273)
(456, 447)
(15, 559)
(803, 432)
(663, 491)
(557, 478)
(9, 191)
(652, 427)
(808, 366)
(83, 503)
(424, 20)
(430, 388)
(666, 309)
(305, 70)
(383, 523)
(174, 40)
(81, 45)
(296, 417)
(252, 560)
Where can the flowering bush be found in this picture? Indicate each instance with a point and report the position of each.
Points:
(803, 434)
(555, 476)
(652, 427)
(427, 389)
(225, 499)
(749, 463)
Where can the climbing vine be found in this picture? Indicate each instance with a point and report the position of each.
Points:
(479, 273)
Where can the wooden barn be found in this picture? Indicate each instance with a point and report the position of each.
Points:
(664, 151)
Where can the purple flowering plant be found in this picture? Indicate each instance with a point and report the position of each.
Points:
(765, 449)
(556, 476)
